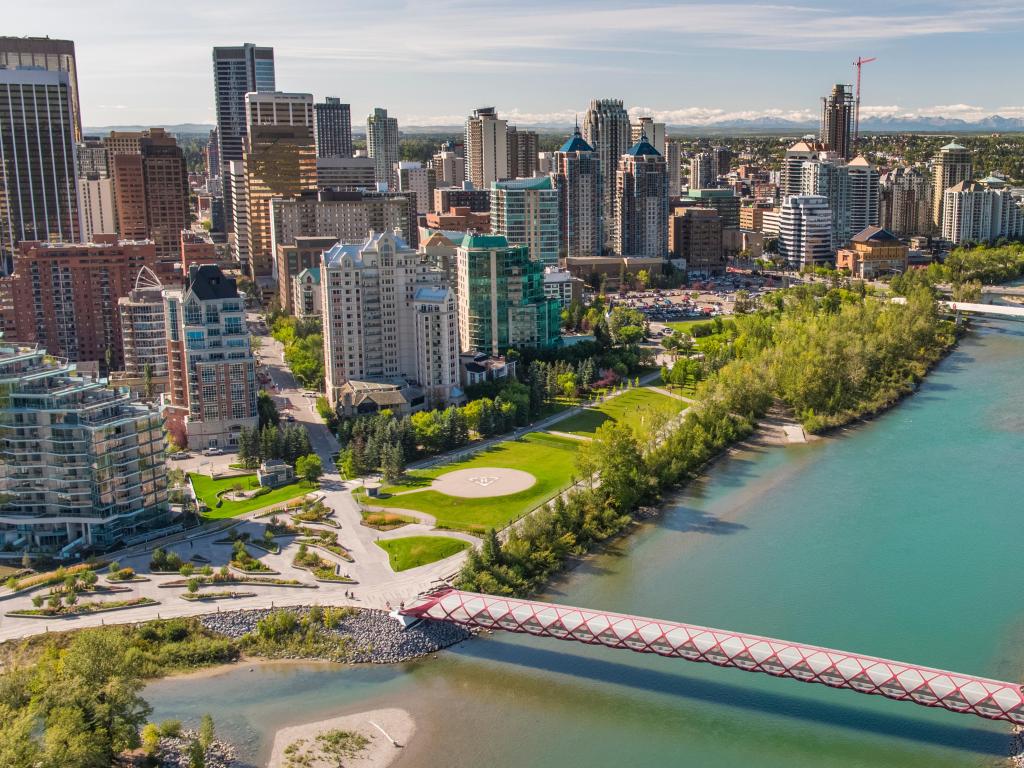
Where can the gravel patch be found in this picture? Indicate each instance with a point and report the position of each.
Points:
(376, 638)
(174, 752)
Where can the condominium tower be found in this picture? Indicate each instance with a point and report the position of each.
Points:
(641, 203)
(382, 146)
(577, 175)
(837, 113)
(607, 129)
(38, 188)
(380, 304)
(805, 230)
(522, 152)
(949, 167)
(487, 154)
(525, 212)
(905, 202)
(333, 128)
(211, 368)
(83, 464)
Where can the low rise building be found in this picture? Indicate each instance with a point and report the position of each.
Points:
(460, 218)
(292, 259)
(873, 252)
(695, 234)
(561, 285)
(307, 296)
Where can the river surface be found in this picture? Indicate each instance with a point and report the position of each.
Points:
(901, 538)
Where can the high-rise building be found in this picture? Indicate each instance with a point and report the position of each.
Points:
(382, 146)
(522, 153)
(502, 303)
(234, 181)
(64, 296)
(38, 188)
(672, 160)
(449, 167)
(420, 181)
(280, 161)
(211, 368)
(151, 189)
(577, 175)
(655, 133)
(93, 159)
(144, 335)
(606, 128)
(721, 160)
(486, 147)
(863, 198)
(96, 197)
(50, 55)
(641, 203)
(949, 167)
(695, 234)
(465, 196)
(345, 216)
(722, 200)
(905, 202)
(333, 128)
(837, 112)
(211, 157)
(525, 212)
(703, 173)
(376, 319)
(805, 230)
(791, 176)
(83, 467)
(981, 211)
(346, 173)
(237, 70)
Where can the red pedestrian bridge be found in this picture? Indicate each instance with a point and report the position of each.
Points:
(968, 694)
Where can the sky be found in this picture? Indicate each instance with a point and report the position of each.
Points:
(431, 62)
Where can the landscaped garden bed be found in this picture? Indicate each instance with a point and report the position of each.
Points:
(322, 570)
(55, 611)
(232, 579)
(209, 596)
(314, 512)
(408, 552)
(50, 577)
(244, 561)
(386, 521)
(210, 492)
(267, 543)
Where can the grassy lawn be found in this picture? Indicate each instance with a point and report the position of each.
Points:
(207, 488)
(412, 551)
(548, 458)
(631, 407)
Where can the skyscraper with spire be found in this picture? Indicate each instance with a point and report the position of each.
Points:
(607, 129)
(577, 175)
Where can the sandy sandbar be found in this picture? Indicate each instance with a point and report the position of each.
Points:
(397, 723)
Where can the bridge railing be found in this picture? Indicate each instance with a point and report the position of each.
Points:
(991, 699)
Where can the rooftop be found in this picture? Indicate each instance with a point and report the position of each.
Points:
(643, 148)
(208, 283)
(484, 241)
(576, 143)
(875, 235)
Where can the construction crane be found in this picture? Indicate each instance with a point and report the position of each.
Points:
(860, 62)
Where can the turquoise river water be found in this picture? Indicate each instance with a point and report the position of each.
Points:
(901, 538)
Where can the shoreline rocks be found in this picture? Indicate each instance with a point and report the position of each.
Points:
(374, 637)
(174, 752)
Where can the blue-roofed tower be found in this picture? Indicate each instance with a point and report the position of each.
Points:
(641, 202)
(577, 175)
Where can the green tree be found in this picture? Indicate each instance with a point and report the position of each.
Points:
(309, 467)
(266, 410)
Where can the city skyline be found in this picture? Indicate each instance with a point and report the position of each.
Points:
(365, 58)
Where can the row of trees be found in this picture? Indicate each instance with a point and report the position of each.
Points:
(831, 356)
(287, 443)
(303, 342)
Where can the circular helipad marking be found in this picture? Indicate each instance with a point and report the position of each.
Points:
(483, 481)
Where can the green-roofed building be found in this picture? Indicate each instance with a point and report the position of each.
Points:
(501, 297)
(525, 211)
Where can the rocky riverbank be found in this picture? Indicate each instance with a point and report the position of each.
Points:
(175, 752)
(371, 636)
(1017, 747)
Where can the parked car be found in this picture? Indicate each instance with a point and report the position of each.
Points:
(213, 452)
(289, 417)
(179, 455)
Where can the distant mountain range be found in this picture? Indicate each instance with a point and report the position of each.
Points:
(772, 125)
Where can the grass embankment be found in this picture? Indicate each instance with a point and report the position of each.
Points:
(637, 408)
(548, 458)
(207, 489)
(413, 551)
(386, 521)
